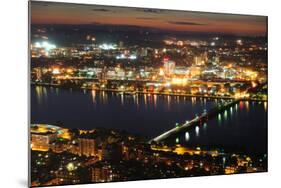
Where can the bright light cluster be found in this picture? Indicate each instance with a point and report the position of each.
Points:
(179, 81)
(122, 56)
(107, 46)
(46, 45)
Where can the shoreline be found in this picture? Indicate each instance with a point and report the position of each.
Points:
(148, 93)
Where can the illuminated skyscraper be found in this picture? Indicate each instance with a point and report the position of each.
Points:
(87, 146)
(169, 66)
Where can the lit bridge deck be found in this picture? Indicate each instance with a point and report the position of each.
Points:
(197, 120)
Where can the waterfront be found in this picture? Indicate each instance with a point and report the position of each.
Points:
(145, 94)
(139, 114)
(242, 127)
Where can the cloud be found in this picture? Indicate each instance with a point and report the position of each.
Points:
(96, 23)
(185, 23)
(146, 18)
(100, 10)
(148, 10)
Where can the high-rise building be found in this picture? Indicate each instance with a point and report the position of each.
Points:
(41, 140)
(38, 74)
(201, 59)
(101, 174)
(43, 135)
(143, 52)
(102, 76)
(87, 146)
(169, 66)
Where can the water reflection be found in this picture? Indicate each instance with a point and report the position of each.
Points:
(241, 105)
(169, 102)
(232, 126)
(193, 100)
(51, 108)
(205, 126)
(219, 118)
(94, 96)
(136, 100)
(225, 114)
(145, 100)
(122, 99)
(197, 131)
(155, 101)
(187, 136)
(104, 97)
(42, 94)
(149, 100)
(39, 93)
(265, 105)
(247, 105)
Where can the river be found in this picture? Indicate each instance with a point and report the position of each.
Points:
(243, 126)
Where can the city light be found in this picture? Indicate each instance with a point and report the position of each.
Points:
(107, 46)
(132, 57)
(239, 42)
(179, 81)
(70, 167)
(69, 70)
(129, 90)
(56, 71)
(46, 45)
(123, 56)
(197, 131)
(161, 72)
(187, 136)
(168, 84)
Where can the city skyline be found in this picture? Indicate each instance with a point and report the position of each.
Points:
(123, 94)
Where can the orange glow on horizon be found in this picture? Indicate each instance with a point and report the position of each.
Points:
(63, 13)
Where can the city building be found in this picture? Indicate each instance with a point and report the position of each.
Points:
(41, 141)
(42, 136)
(87, 146)
(169, 66)
(101, 174)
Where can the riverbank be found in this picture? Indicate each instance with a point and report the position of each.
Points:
(150, 93)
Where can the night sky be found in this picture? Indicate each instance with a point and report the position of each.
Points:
(64, 13)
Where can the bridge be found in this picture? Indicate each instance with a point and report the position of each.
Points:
(197, 120)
